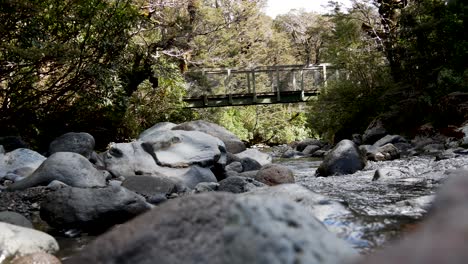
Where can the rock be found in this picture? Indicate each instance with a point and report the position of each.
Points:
(257, 155)
(185, 155)
(374, 132)
(389, 152)
(232, 142)
(291, 154)
(320, 153)
(70, 168)
(91, 209)
(309, 141)
(235, 166)
(219, 228)
(464, 140)
(249, 164)
(81, 143)
(154, 130)
(206, 187)
(20, 161)
(11, 143)
(149, 186)
(310, 149)
(345, 158)
(441, 238)
(37, 258)
(433, 148)
(387, 173)
(274, 174)
(357, 139)
(19, 241)
(230, 158)
(15, 219)
(238, 184)
(389, 139)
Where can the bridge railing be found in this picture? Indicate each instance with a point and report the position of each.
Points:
(259, 80)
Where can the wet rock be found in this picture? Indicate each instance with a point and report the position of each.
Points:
(235, 166)
(163, 126)
(232, 142)
(307, 142)
(19, 241)
(11, 143)
(256, 155)
(310, 149)
(274, 174)
(249, 164)
(206, 187)
(441, 238)
(387, 173)
(237, 184)
(81, 143)
(20, 161)
(345, 158)
(219, 228)
(374, 132)
(389, 139)
(70, 168)
(91, 209)
(291, 154)
(320, 153)
(149, 186)
(37, 258)
(15, 219)
(388, 151)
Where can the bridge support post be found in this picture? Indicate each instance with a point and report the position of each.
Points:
(324, 69)
(254, 99)
(278, 96)
(294, 80)
(248, 82)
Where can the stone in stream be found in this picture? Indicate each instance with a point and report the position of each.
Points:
(91, 209)
(374, 132)
(70, 168)
(232, 142)
(19, 241)
(21, 162)
(15, 218)
(345, 158)
(219, 228)
(149, 186)
(441, 238)
(389, 139)
(37, 258)
(238, 184)
(255, 154)
(274, 174)
(81, 143)
(249, 164)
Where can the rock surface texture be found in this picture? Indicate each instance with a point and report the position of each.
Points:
(345, 158)
(81, 143)
(219, 228)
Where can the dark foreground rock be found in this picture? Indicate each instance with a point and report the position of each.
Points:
(91, 209)
(442, 237)
(219, 228)
(67, 167)
(345, 158)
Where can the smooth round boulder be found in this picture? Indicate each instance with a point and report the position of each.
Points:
(344, 158)
(81, 143)
(20, 161)
(274, 174)
(91, 209)
(249, 164)
(15, 218)
(310, 149)
(70, 168)
(300, 146)
(232, 142)
(19, 241)
(218, 227)
(255, 154)
(238, 184)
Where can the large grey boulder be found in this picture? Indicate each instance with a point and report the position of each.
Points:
(232, 142)
(219, 228)
(255, 154)
(70, 168)
(374, 132)
(15, 218)
(19, 241)
(20, 161)
(91, 209)
(274, 174)
(345, 158)
(81, 143)
(189, 156)
(154, 130)
(441, 238)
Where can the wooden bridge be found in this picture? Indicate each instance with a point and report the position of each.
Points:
(259, 85)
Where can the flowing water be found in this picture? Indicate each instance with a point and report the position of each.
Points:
(377, 211)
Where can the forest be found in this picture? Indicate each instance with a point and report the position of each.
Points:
(116, 67)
